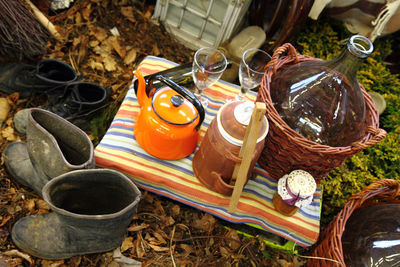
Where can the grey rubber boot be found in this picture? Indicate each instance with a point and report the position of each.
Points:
(48, 76)
(54, 146)
(91, 210)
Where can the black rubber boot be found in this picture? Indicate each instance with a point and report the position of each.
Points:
(48, 76)
(80, 102)
(54, 146)
(91, 210)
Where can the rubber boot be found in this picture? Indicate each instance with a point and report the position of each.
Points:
(49, 76)
(80, 103)
(91, 211)
(54, 146)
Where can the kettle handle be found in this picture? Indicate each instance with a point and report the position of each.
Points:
(184, 92)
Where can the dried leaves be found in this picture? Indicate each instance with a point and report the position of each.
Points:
(4, 109)
(105, 40)
(7, 133)
(18, 254)
(206, 223)
(127, 12)
(178, 235)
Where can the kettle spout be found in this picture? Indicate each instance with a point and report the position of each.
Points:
(141, 92)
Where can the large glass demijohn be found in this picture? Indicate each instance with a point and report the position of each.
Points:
(322, 100)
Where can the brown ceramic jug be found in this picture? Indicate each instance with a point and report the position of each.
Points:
(215, 160)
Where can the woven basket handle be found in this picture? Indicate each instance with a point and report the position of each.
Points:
(331, 244)
(378, 134)
(387, 189)
(287, 49)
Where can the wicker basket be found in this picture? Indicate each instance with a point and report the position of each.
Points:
(286, 150)
(330, 241)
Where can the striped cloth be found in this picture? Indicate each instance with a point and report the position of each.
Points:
(175, 179)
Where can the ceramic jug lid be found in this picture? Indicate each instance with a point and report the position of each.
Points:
(172, 107)
(233, 119)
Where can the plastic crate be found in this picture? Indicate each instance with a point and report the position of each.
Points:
(200, 23)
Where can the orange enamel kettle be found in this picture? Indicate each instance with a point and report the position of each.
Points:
(169, 120)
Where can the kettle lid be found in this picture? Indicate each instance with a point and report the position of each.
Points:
(233, 119)
(172, 107)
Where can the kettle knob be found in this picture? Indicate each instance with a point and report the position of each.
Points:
(183, 92)
(177, 100)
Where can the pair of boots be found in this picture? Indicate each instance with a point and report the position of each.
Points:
(91, 208)
(74, 100)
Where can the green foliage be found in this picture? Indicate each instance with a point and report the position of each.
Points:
(325, 40)
(100, 124)
(319, 41)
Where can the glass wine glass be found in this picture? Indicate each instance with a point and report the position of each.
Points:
(251, 70)
(208, 66)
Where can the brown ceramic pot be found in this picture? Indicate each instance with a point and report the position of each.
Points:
(215, 160)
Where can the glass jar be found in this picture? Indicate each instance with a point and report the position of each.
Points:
(294, 190)
(322, 100)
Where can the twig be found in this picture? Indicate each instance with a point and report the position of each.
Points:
(245, 246)
(319, 258)
(73, 63)
(170, 245)
(190, 234)
(208, 236)
(150, 214)
(248, 248)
